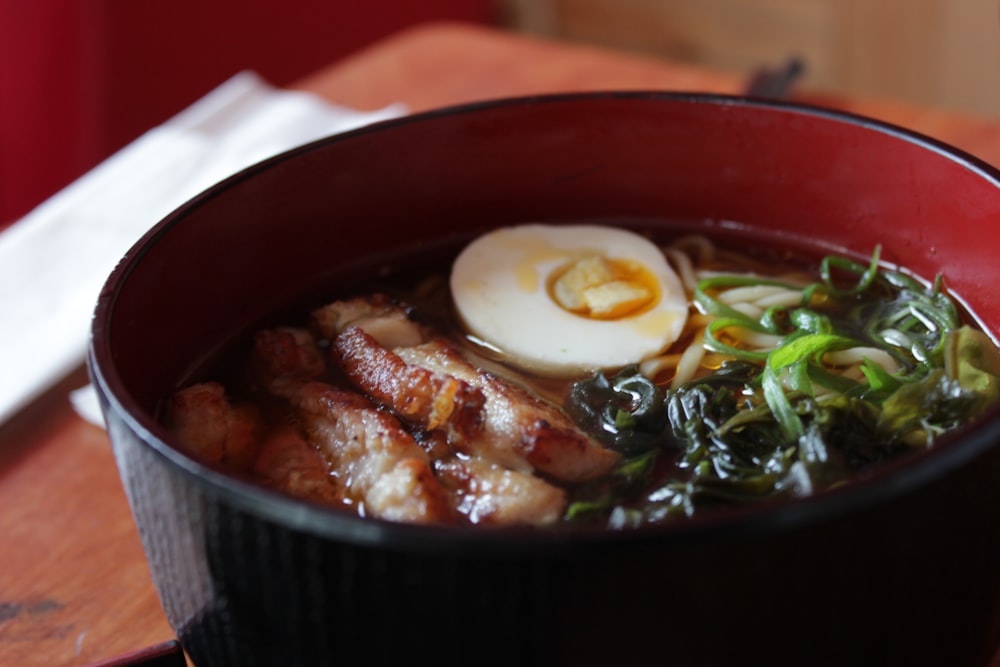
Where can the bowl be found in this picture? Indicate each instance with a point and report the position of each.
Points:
(900, 568)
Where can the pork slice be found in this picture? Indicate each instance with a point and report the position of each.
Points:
(377, 464)
(489, 494)
(375, 460)
(520, 431)
(287, 352)
(422, 398)
(290, 463)
(204, 421)
(384, 319)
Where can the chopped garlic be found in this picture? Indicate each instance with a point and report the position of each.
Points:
(601, 288)
(583, 274)
(615, 298)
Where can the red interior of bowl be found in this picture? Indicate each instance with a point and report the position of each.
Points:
(796, 175)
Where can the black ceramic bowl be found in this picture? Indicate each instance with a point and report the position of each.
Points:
(899, 569)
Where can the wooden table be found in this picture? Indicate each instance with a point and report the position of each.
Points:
(74, 587)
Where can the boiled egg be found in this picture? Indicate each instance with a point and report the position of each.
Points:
(561, 300)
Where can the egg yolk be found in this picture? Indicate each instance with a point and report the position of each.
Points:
(603, 288)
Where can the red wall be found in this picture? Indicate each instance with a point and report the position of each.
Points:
(81, 78)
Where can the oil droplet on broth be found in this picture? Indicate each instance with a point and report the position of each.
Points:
(653, 324)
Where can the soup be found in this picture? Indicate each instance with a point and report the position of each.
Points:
(554, 375)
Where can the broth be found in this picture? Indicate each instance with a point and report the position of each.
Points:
(792, 374)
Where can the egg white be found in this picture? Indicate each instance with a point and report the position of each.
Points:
(499, 285)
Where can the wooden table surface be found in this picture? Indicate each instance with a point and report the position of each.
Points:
(74, 587)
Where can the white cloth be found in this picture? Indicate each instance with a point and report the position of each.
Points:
(54, 261)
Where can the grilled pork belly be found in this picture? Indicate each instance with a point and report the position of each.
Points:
(518, 430)
(292, 464)
(424, 436)
(430, 401)
(204, 421)
(487, 493)
(376, 463)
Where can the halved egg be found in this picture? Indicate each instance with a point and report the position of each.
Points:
(568, 299)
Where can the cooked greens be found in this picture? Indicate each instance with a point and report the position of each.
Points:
(868, 364)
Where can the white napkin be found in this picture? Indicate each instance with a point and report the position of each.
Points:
(54, 261)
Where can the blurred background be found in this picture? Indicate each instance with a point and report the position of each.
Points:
(79, 79)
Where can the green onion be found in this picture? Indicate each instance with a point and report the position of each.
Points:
(780, 421)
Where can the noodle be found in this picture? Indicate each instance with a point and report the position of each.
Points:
(696, 258)
(689, 363)
(763, 296)
(684, 267)
(855, 356)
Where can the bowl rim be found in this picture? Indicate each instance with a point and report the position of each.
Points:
(889, 480)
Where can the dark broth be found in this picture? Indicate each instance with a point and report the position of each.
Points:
(653, 483)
